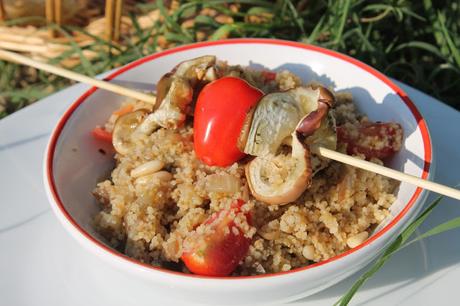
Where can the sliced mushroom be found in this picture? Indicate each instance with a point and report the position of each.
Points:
(299, 117)
(175, 93)
(124, 128)
(295, 182)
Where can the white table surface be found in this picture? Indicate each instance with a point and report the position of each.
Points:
(40, 264)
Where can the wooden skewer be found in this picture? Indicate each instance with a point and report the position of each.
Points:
(331, 154)
(14, 57)
(22, 47)
(388, 172)
(24, 39)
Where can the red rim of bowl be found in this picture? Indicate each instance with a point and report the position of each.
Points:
(419, 119)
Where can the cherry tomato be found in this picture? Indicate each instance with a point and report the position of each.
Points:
(101, 134)
(218, 250)
(380, 140)
(269, 75)
(220, 111)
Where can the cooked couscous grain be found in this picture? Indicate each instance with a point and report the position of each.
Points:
(160, 194)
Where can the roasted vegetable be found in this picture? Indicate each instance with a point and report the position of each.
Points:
(276, 117)
(217, 246)
(372, 139)
(123, 130)
(275, 180)
(298, 117)
(311, 122)
(175, 93)
(220, 113)
(101, 134)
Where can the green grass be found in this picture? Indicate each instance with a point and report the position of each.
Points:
(416, 42)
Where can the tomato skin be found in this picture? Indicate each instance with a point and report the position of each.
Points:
(101, 134)
(357, 143)
(218, 252)
(269, 75)
(220, 111)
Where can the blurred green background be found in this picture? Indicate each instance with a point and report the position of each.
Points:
(416, 42)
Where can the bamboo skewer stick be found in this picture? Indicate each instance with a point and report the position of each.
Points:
(388, 172)
(327, 153)
(24, 39)
(23, 47)
(14, 57)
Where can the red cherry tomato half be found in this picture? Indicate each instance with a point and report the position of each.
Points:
(218, 250)
(368, 137)
(219, 116)
(269, 75)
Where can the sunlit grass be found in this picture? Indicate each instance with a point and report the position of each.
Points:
(416, 42)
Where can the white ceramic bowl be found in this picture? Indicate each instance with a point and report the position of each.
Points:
(73, 166)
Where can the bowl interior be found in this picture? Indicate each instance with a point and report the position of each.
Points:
(78, 163)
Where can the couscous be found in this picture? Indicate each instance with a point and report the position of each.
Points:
(249, 201)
